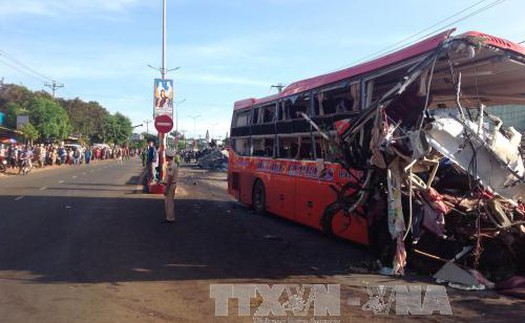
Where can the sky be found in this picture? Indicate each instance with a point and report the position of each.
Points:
(227, 50)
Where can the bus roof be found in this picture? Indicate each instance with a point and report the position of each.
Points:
(406, 53)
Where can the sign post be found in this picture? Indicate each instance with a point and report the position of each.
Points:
(163, 123)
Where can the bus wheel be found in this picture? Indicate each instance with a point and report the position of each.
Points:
(259, 198)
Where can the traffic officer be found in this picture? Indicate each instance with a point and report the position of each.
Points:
(172, 175)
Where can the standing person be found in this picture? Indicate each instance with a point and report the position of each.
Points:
(172, 174)
(87, 155)
(151, 159)
(118, 154)
(143, 155)
(76, 156)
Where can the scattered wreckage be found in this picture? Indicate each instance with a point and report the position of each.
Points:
(213, 159)
(440, 180)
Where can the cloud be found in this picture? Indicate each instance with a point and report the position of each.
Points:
(9, 8)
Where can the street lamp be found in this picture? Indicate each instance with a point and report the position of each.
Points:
(147, 122)
(194, 124)
(177, 113)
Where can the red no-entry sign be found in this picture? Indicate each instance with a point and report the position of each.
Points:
(163, 123)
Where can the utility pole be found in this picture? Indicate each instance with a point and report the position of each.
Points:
(147, 122)
(278, 86)
(162, 136)
(54, 86)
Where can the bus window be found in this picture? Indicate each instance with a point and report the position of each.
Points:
(242, 119)
(268, 113)
(294, 104)
(264, 114)
(263, 147)
(240, 146)
(296, 148)
(339, 99)
(305, 148)
(281, 113)
(256, 118)
(288, 147)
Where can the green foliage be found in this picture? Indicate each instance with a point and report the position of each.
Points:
(149, 137)
(116, 129)
(29, 132)
(86, 118)
(16, 94)
(49, 118)
(58, 118)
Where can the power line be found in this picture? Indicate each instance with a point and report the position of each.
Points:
(487, 7)
(15, 68)
(392, 48)
(426, 29)
(25, 66)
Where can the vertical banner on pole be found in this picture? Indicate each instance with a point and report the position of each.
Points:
(163, 94)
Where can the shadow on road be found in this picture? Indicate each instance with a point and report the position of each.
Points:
(73, 239)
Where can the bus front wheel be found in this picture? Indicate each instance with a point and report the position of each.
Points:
(259, 198)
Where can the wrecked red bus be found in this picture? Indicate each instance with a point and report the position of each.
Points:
(382, 142)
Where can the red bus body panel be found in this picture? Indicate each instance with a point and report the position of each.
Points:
(294, 191)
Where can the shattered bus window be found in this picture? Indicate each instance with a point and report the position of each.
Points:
(341, 98)
(263, 147)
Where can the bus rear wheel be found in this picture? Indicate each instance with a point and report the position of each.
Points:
(259, 198)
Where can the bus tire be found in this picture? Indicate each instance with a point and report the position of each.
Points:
(259, 198)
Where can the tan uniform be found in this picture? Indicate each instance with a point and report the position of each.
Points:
(172, 175)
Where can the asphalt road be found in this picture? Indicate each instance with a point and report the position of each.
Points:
(80, 244)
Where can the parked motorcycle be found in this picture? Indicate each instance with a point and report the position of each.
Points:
(3, 165)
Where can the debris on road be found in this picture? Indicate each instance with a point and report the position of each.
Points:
(213, 159)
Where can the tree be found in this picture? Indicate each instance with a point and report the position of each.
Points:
(57, 118)
(11, 93)
(49, 118)
(87, 118)
(117, 129)
(123, 130)
(29, 132)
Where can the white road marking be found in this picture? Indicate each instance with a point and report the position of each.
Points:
(84, 173)
(60, 182)
(73, 176)
(19, 198)
(43, 188)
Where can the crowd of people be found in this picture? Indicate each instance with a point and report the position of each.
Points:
(19, 156)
